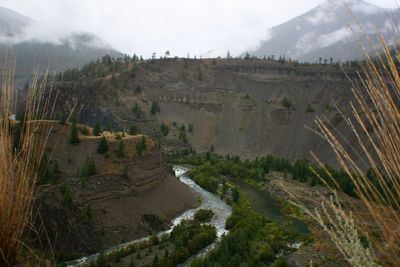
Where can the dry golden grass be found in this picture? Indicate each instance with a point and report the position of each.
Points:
(375, 123)
(19, 164)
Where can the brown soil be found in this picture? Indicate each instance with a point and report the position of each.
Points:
(116, 203)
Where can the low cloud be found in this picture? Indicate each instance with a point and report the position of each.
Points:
(342, 34)
(319, 17)
(180, 26)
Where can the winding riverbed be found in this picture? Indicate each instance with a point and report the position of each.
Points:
(209, 201)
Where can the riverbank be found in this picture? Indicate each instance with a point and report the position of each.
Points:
(264, 204)
(142, 252)
(321, 252)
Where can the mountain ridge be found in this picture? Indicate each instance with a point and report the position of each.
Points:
(323, 32)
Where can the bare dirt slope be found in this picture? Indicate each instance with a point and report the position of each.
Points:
(79, 215)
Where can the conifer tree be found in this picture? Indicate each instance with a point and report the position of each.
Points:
(97, 129)
(120, 149)
(103, 146)
(74, 135)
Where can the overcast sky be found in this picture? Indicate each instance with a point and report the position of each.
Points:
(180, 26)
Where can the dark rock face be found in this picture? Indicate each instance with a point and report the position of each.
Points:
(241, 107)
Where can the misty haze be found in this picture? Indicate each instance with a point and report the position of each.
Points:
(200, 133)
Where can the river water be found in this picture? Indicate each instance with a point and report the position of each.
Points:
(209, 201)
(263, 203)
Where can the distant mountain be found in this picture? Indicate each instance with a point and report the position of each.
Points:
(11, 22)
(73, 50)
(324, 31)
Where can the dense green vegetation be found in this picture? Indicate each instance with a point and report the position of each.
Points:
(189, 237)
(213, 166)
(185, 240)
(204, 215)
(253, 240)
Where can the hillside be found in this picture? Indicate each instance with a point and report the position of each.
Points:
(239, 107)
(89, 200)
(324, 32)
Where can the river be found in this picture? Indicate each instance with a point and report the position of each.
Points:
(209, 201)
(263, 203)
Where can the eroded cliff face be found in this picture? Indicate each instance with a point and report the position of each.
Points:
(241, 107)
(128, 197)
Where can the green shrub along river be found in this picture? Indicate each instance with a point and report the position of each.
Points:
(261, 231)
(260, 234)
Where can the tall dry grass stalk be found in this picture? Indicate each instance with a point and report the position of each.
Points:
(22, 145)
(374, 121)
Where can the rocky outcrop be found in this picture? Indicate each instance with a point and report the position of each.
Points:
(243, 107)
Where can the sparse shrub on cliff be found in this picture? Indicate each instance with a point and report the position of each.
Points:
(118, 136)
(84, 130)
(154, 107)
(182, 133)
(310, 108)
(120, 149)
(48, 172)
(286, 103)
(88, 168)
(164, 129)
(132, 130)
(97, 129)
(125, 172)
(87, 214)
(328, 108)
(67, 196)
(102, 146)
(138, 89)
(62, 119)
(74, 133)
(137, 109)
(140, 146)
